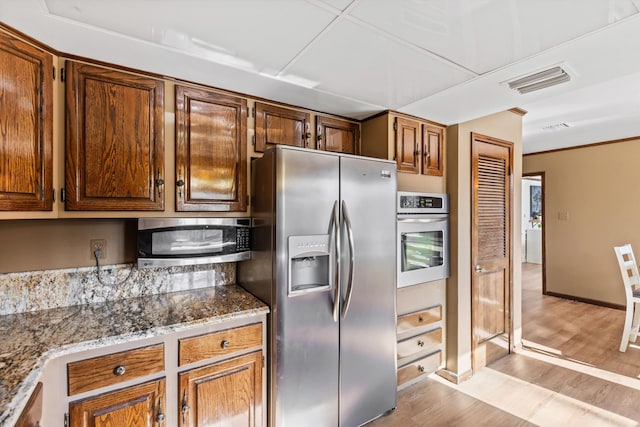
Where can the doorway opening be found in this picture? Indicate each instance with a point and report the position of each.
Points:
(532, 233)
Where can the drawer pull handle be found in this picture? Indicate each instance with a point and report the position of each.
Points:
(224, 344)
(160, 417)
(420, 319)
(119, 370)
(185, 407)
(420, 343)
(420, 368)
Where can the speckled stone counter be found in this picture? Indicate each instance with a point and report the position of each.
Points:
(28, 340)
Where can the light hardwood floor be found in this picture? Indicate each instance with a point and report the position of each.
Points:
(569, 373)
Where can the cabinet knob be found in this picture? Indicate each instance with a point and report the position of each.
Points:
(224, 344)
(420, 343)
(420, 319)
(180, 183)
(119, 370)
(420, 368)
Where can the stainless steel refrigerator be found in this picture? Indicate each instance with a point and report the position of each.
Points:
(324, 261)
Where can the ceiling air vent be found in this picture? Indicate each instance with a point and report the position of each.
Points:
(540, 80)
(556, 126)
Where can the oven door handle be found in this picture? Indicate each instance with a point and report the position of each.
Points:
(335, 232)
(423, 220)
(347, 223)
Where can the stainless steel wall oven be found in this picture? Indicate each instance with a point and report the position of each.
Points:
(423, 237)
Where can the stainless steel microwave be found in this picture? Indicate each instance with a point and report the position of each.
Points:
(165, 242)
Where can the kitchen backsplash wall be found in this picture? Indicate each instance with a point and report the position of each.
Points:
(41, 290)
(37, 245)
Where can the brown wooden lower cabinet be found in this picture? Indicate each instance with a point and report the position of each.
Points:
(136, 406)
(227, 393)
(420, 368)
(32, 413)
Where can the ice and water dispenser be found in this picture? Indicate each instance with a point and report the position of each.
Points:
(309, 264)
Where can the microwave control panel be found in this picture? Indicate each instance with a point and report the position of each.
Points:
(243, 239)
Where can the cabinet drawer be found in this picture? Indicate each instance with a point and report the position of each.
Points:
(420, 367)
(419, 319)
(101, 371)
(220, 343)
(419, 343)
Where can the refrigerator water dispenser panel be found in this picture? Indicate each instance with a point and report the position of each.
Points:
(309, 266)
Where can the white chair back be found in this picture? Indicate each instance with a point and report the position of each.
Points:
(631, 280)
(628, 267)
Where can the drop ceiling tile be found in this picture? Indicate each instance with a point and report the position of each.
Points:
(253, 35)
(483, 35)
(360, 63)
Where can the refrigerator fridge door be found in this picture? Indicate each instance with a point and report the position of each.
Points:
(304, 336)
(368, 323)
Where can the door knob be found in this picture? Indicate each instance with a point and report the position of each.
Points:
(480, 269)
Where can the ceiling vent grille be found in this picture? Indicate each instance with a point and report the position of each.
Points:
(540, 80)
(556, 126)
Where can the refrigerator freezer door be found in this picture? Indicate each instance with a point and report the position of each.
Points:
(304, 341)
(368, 328)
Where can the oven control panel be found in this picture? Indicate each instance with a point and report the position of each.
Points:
(416, 203)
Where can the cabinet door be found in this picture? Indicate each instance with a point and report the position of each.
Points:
(226, 394)
(32, 413)
(277, 125)
(137, 406)
(432, 154)
(211, 151)
(407, 134)
(340, 136)
(26, 126)
(115, 140)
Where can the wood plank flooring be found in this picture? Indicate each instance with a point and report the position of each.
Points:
(570, 373)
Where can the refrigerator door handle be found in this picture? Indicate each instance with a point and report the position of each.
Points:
(335, 224)
(347, 223)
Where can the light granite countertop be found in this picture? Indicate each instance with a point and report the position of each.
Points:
(28, 340)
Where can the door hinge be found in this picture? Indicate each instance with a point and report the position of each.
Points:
(254, 141)
(63, 75)
(53, 195)
(395, 125)
(54, 73)
(63, 195)
(66, 419)
(253, 111)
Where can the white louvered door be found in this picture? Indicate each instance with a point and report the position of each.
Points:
(492, 191)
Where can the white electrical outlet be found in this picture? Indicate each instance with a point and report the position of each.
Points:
(98, 245)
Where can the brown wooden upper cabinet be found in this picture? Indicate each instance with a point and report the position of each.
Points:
(211, 151)
(407, 139)
(432, 150)
(278, 125)
(337, 135)
(114, 140)
(26, 122)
